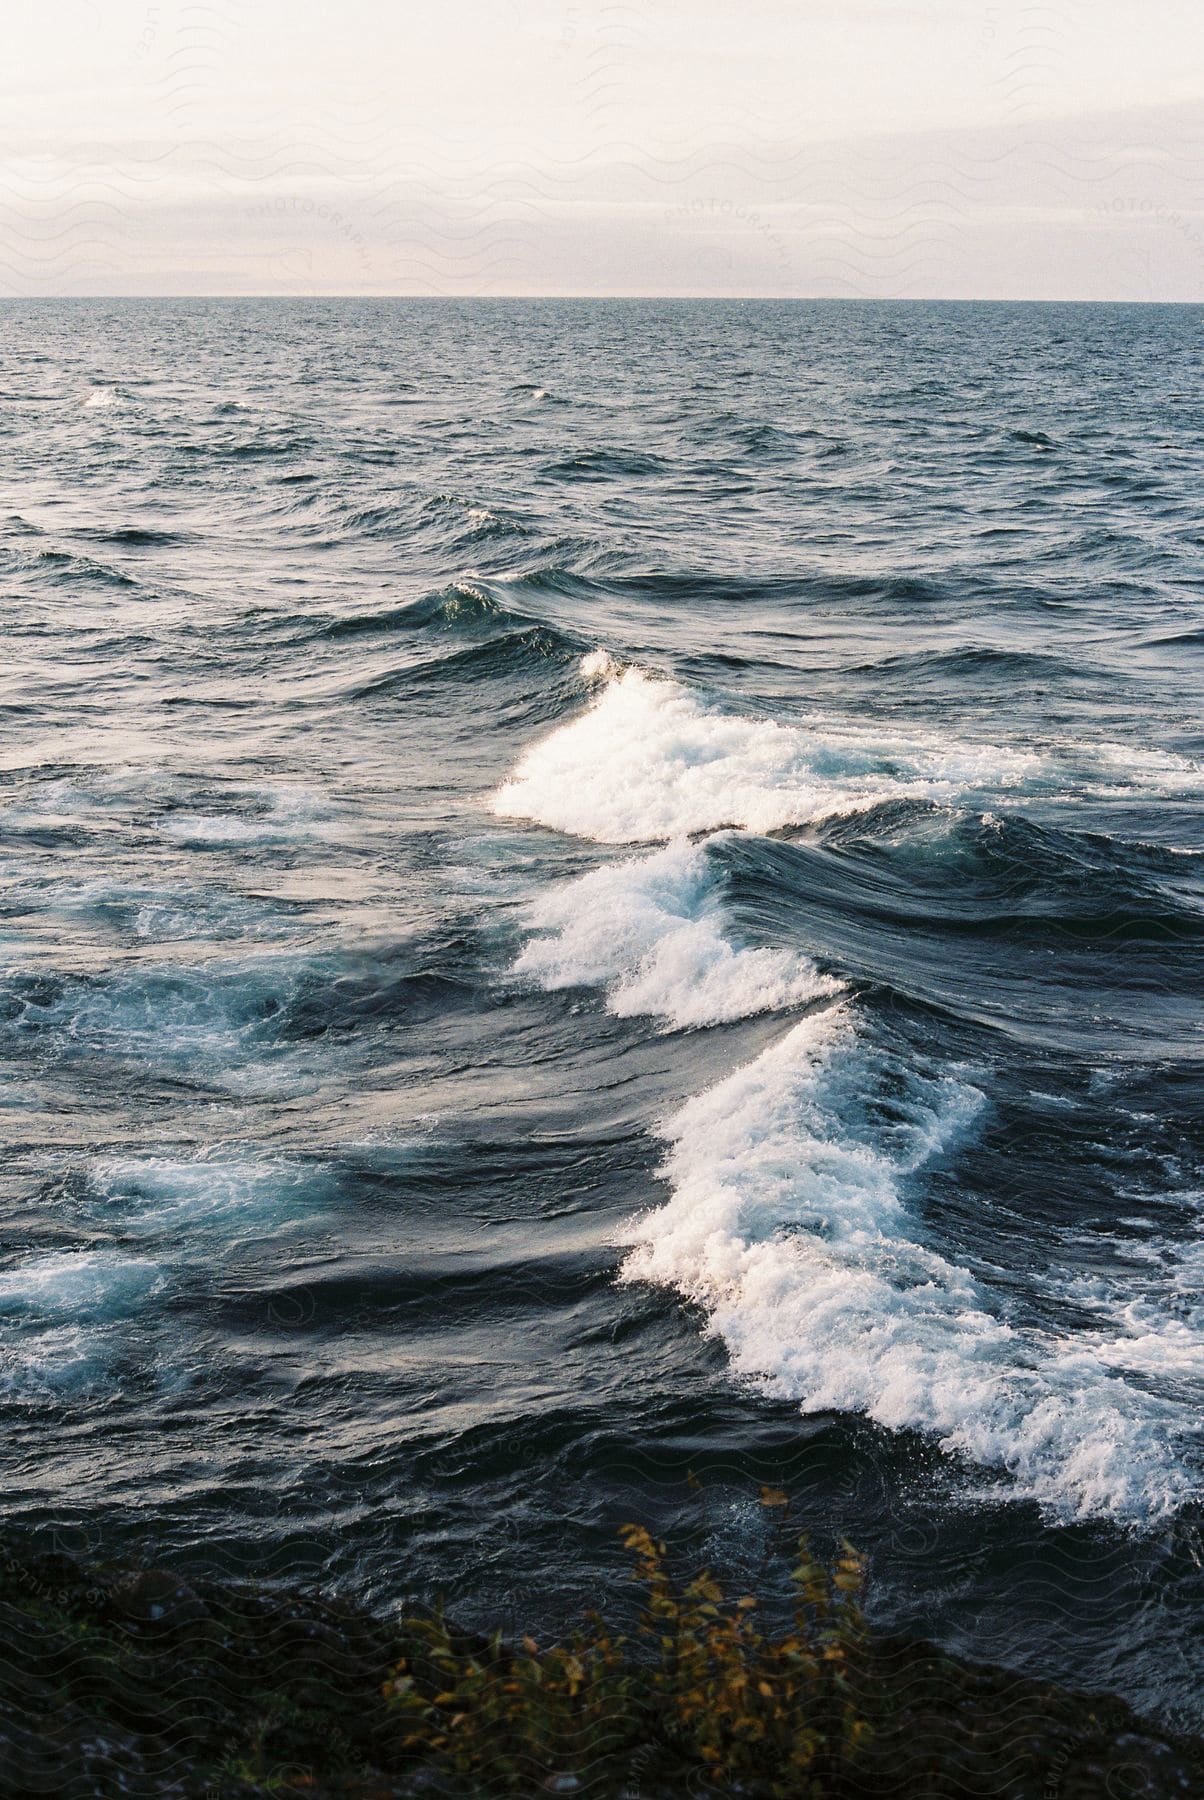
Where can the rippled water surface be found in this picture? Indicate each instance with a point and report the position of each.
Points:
(601, 890)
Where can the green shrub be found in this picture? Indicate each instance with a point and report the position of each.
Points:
(697, 1687)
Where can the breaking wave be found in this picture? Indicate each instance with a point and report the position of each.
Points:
(791, 1225)
(651, 932)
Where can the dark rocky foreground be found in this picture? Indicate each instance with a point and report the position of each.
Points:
(130, 1681)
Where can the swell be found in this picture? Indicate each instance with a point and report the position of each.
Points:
(65, 567)
(703, 587)
(461, 606)
(472, 604)
(508, 656)
(136, 537)
(991, 877)
(603, 465)
(762, 442)
(982, 665)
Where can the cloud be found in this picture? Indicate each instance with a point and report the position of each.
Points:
(580, 147)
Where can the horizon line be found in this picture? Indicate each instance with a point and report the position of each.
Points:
(734, 299)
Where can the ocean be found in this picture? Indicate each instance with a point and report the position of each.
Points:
(602, 904)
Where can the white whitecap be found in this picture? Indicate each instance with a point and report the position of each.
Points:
(651, 932)
(790, 1225)
(600, 665)
(650, 760)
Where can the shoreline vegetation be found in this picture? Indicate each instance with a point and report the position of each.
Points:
(120, 1680)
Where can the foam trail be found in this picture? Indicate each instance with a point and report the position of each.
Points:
(650, 760)
(281, 815)
(650, 931)
(64, 1316)
(78, 1284)
(185, 1198)
(787, 1224)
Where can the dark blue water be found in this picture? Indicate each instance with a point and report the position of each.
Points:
(597, 891)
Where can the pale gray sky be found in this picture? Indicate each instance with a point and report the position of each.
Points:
(833, 147)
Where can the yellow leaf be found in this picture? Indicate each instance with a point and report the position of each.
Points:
(771, 1496)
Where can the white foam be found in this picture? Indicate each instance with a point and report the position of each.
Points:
(788, 1224)
(650, 760)
(102, 791)
(169, 1013)
(44, 1363)
(220, 831)
(651, 932)
(101, 396)
(1149, 1303)
(1158, 771)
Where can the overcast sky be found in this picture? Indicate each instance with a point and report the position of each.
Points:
(816, 147)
